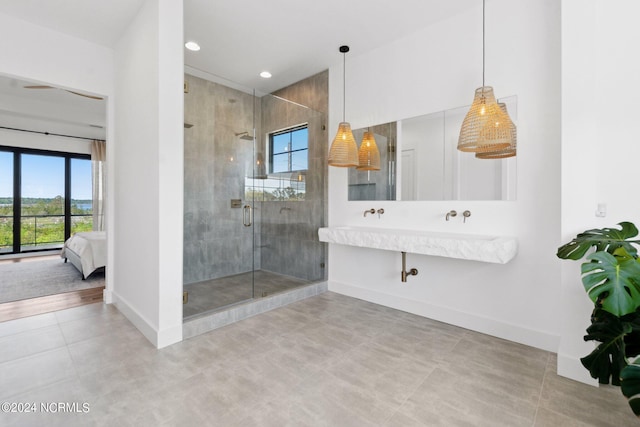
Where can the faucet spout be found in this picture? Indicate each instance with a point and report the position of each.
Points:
(450, 214)
(369, 211)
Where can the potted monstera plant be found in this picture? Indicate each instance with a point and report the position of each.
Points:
(611, 278)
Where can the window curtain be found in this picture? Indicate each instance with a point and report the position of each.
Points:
(98, 169)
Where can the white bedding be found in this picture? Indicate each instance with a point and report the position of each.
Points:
(90, 247)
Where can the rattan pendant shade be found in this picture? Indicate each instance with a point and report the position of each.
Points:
(485, 127)
(368, 155)
(343, 151)
(507, 152)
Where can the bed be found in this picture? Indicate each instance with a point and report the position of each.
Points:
(87, 251)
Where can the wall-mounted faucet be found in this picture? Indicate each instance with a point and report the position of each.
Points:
(372, 211)
(466, 214)
(450, 214)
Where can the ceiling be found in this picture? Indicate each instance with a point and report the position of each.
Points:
(293, 39)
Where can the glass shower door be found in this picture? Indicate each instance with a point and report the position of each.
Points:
(220, 215)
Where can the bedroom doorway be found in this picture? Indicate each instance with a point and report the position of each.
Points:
(254, 196)
(46, 191)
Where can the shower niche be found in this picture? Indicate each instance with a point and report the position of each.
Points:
(268, 153)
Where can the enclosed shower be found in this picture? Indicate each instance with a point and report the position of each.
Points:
(254, 193)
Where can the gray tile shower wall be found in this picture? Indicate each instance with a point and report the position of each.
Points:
(289, 236)
(216, 244)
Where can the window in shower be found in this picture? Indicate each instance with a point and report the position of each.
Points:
(288, 164)
(289, 150)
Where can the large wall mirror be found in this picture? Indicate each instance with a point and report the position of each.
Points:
(420, 161)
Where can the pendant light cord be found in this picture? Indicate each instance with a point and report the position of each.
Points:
(483, 31)
(344, 84)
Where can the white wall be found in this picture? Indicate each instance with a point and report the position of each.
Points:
(42, 55)
(599, 151)
(53, 58)
(436, 69)
(148, 184)
(44, 142)
(142, 80)
(617, 98)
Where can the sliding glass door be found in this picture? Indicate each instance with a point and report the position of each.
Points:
(42, 202)
(6, 202)
(44, 197)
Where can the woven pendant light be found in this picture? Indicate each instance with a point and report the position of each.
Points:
(368, 155)
(507, 152)
(486, 128)
(344, 150)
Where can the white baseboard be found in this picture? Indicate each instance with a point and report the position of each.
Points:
(571, 367)
(107, 296)
(485, 325)
(160, 338)
(169, 336)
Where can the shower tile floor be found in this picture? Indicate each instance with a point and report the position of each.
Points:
(214, 294)
(328, 360)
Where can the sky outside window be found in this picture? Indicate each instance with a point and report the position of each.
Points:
(290, 150)
(81, 179)
(42, 176)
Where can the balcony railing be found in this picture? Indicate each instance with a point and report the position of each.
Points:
(41, 231)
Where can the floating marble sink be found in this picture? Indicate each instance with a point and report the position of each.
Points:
(494, 249)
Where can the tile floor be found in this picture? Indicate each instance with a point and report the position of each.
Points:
(216, 293)
(329, 360)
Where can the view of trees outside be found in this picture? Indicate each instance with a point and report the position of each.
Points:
(287, 187)
(42, 204)
(81, 196)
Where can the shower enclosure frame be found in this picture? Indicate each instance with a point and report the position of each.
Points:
(276, 236)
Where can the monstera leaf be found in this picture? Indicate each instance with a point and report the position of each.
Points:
(608, 359)
(605, 239)
(630, 385)
(613, 281)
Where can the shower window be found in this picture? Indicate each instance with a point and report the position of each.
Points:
(288, 161)
(289, 150)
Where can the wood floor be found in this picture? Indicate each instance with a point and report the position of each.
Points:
(31, 307)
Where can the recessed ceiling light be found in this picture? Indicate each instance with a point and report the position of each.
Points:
(192, 46)
(265, 75)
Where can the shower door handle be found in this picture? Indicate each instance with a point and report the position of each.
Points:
(247, 216)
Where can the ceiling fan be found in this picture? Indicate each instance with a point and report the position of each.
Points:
(70, 91)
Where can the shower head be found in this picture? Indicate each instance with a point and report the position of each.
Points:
(245, 135)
